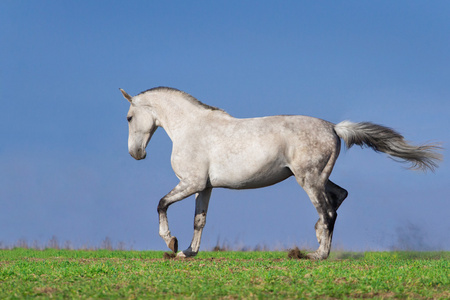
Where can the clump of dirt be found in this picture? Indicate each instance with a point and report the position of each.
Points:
(296, 254)
(169, 255)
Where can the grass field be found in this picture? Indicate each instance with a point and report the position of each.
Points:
(26, 273)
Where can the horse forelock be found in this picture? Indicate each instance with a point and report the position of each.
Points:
(183, 94)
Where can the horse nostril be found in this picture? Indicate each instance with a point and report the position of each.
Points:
(141, 154)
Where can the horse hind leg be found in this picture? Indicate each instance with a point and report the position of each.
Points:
(201, 209)
(314, 180)
(335, 195)
(327, 218)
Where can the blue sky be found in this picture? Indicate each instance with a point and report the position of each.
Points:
(65, 170)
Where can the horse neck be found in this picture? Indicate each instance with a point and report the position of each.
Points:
(176, 114)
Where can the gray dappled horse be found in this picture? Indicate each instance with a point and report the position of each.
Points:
(213, 149)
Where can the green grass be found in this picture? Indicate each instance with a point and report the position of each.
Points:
(232, 275)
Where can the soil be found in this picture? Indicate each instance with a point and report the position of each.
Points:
(296, 254)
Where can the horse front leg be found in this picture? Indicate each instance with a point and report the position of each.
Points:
(181, 191)
(201, 209)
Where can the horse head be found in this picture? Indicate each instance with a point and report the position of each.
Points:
(141, 126)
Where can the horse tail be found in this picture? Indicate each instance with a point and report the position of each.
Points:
(387, 140)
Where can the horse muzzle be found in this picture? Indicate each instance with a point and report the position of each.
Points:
(139, 154)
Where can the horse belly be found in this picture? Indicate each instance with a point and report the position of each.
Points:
(248, 177)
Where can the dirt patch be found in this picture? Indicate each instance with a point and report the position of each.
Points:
(169, 255)
(45, 290)
(296, 254)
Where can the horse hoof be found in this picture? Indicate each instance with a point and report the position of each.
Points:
(312, 256)
(316, 256)
(173, 244)
(181, 255)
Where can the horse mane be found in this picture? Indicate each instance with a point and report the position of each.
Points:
(184, 95)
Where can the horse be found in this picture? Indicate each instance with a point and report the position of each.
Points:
(212, 149)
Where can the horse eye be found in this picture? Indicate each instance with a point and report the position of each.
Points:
(129, 118)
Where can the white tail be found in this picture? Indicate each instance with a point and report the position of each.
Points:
(387, 140)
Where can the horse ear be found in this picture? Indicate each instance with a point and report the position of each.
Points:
(128, 97)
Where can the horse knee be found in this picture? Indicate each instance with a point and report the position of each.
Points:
(162, 206)
(200, 221)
